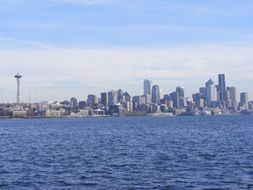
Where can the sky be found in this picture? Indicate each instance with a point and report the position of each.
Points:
(66, 48)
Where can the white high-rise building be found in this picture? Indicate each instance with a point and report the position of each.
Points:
(231, 91)
(211, 92)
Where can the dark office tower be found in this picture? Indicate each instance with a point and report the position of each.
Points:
(196, 98)
(120, 96)
(104, 100)
(175, 98)
(136, 102)
(136, 99)
(147, 86)
(156, 94)
(82, 104)
(92, 100)
(126, 97)
(180, 91)
(244, 100)
(222, 87)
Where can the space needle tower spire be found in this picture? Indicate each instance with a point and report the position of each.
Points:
(18, 76)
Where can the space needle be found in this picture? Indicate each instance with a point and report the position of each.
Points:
(18, 76)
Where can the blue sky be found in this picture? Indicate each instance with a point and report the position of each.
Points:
(70, 48)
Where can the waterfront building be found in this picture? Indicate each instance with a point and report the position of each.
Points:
(147, 87)
(156, 94)
(81, 114)
(19, 113)
(129, 106)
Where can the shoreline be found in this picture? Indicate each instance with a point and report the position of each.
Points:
(103, 117)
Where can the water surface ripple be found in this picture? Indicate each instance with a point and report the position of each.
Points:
(127, 153)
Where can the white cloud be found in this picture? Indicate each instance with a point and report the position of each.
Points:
(61, 73)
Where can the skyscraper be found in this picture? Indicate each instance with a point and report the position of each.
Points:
(92, 100)
(211, 92)
(120, 95)
(147, 87)
(180, 91)
(156, 94)
(222, 87)
(198, 99)
(126, 97)
(73, 103)
(232, 93)
(104, 99)
(112, 97)
(175, 99)
(244, 100)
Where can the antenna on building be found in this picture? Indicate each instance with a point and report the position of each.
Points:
(30, 99)
(34, 96)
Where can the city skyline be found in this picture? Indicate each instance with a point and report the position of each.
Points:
(212, 88)
(71, 48)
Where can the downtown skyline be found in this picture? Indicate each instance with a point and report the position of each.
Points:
(73, 48)
(33, 94)
(210, 99)
(219, 90)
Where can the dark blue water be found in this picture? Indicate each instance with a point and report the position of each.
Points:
(127, 153)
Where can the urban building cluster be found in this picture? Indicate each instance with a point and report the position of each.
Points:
(211, 99)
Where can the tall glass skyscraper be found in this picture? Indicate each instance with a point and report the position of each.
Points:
(156, 94)
(147, 87)
(222, 87)
(180, 91)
